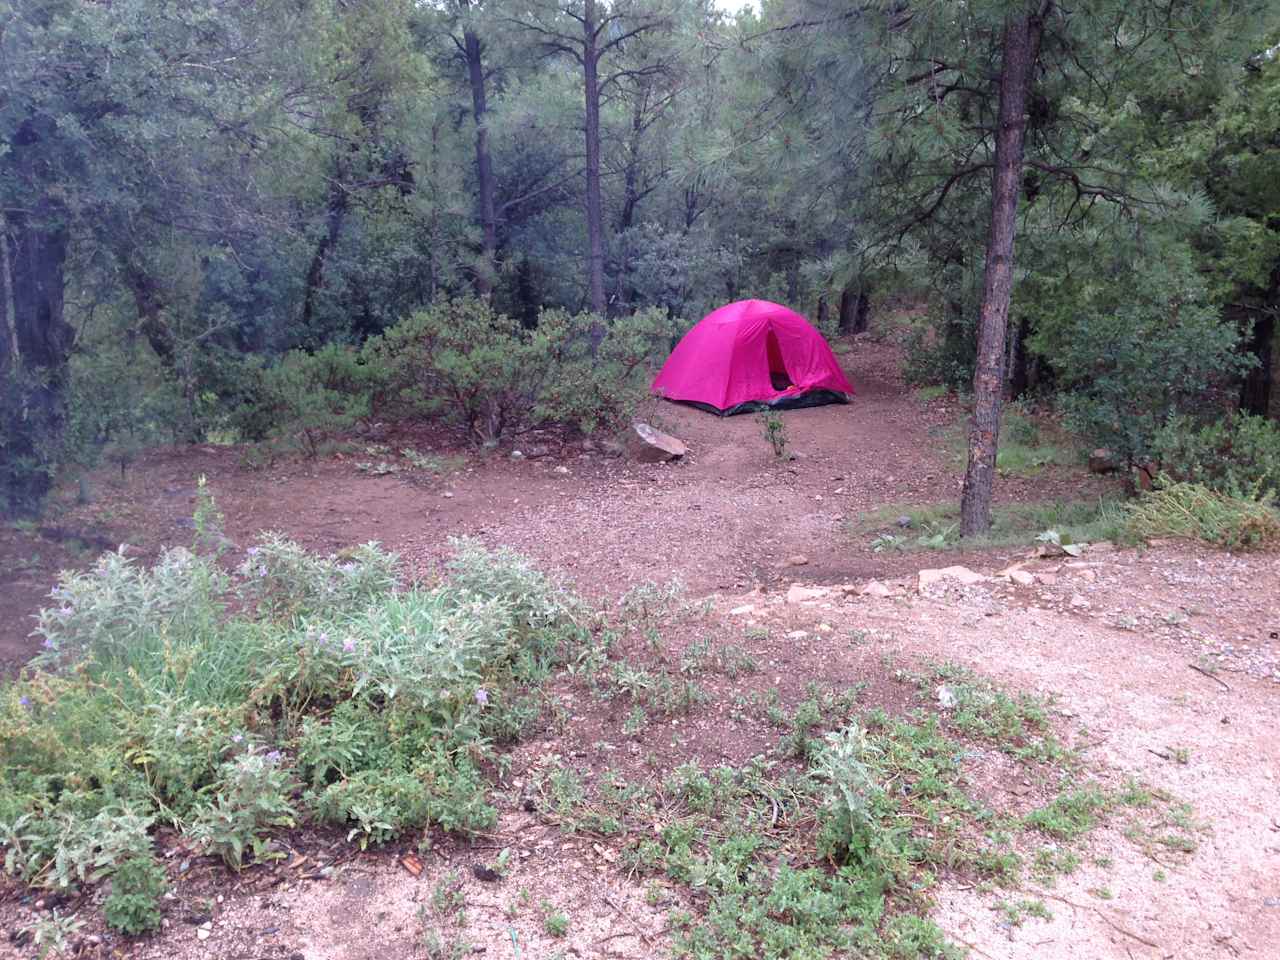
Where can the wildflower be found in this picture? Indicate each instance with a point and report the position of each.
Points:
(25, 701)
(252, 551)
(262, 569)
(238, 738)
(482, 696)
(65, 612)
(348, 645)
(274, 756)
(323, 639)
(48, 643)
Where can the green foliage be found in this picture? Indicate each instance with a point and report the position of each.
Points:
(133, 906)
(1191, 510)
(775, 433)
(497, 377)
(249, 800)
(1134, 340)
(181, 696)
(1237, 455)
(305, 398)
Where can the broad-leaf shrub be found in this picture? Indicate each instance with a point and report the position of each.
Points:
(1238, 455)
(133, 906)
(231, 708)
(304, 398)
(1133, 341)
(488, 372)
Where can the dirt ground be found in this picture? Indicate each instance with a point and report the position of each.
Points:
(1164, 665)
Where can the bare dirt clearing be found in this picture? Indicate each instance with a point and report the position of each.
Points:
(1113, 638)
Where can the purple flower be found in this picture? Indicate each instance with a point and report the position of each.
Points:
(48, 643)
(252, 551)
(323, 638)
(65, 611)
(274, 756)
(238, 738)
(348, 645)
(262, 570)
(482, 696)
(25, 701)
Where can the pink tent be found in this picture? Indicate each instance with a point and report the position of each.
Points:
(752, 355)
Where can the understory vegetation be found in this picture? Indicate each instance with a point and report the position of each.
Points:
(231, 708)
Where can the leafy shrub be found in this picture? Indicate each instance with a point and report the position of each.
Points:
(1194, 511)
(775, 432)
(133, 905)
(182, 696)
(490, 373)
(279, 578)
(850, 817)
(1133, 342)
(1237, 455)
(118, 612)
(250, 799)
(305, 397)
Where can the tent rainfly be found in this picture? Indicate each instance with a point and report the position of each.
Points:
(752, 355)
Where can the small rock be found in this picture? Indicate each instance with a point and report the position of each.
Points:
(903, 521)
(742, 611)
(1102, 546)
(1102, 460)
(517, 455)
(1022, 577)
(448, 494)
(799, 560)
(928, 578)
(612, 448)
(799, 594)
(824, 628)
(562, 470)
(797, 635)
(538, 450)
(203, 934)
(649, 445)
(1079, 602)
(946, 698)
(874, 588)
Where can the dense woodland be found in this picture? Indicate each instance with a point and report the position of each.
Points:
(258, 221)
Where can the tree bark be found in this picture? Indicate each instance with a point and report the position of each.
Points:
(855, 310)
(484, 165)
(1021, 47)
(337, 215)
(595, 208)
(1257, 391)
(33, 357)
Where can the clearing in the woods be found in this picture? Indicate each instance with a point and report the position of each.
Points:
(1100, 781)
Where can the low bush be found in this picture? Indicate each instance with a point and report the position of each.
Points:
(304, 398)
(1238, 455)
(488, 372)
(232, 707)
(1193, 511)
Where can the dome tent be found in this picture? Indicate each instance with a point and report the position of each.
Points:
(752, 355)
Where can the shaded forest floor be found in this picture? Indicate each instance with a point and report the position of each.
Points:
(1117, 640)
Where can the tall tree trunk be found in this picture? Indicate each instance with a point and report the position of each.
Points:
(1258, 389)
(1021, 47)
(337, 215)
(34, 352)
(595, 209)
(855, 309)
(484, 165)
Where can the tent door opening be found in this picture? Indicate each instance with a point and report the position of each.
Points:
(778, 376)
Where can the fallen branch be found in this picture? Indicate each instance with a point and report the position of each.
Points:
(1105, 919)
(1211, 676)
